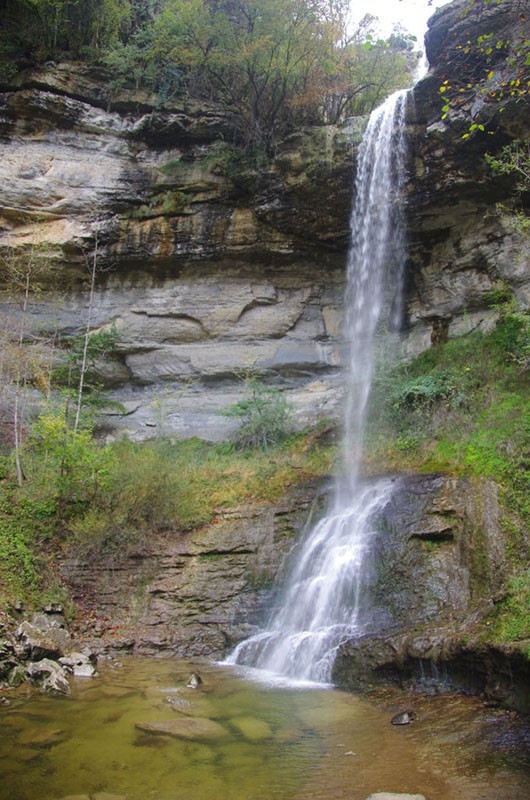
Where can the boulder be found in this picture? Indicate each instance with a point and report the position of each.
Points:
(78, 664)
(51, 676)
(51, 642)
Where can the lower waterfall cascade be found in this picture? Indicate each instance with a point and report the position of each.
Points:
(326, 599)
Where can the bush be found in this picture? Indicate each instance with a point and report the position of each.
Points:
(265, 415)
(423, 391)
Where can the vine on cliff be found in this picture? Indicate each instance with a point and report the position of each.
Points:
(491, 68)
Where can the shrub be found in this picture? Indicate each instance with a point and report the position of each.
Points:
(422, 391)
(265, 415)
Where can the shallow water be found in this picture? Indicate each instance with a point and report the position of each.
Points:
(275, 743)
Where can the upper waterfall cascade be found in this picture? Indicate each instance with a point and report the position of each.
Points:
(325, 601)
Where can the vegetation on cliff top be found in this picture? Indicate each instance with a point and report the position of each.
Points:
(271, 64)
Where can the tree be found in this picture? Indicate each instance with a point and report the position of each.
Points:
(42, 29)
(273, 64)
(26, 354)
(264, 413)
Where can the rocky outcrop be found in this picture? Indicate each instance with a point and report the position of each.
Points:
(41, 651)
(465, 251)
(208, 265)
(439, 565)
(192, 593)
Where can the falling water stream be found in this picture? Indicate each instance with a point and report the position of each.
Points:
(126, 735)
(325, 601)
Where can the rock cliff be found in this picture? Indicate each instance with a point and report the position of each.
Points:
(464, 246)
(210, 265)
(195, 594)
(207, 266)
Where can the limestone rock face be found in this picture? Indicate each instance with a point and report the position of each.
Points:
(207, 265)
(463, 247)
(191, 593)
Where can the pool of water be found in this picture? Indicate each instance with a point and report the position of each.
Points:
(267, 741)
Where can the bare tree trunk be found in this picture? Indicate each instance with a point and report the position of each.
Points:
(20, 376)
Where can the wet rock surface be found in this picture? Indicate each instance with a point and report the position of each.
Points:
(438, 561)
(192, 593)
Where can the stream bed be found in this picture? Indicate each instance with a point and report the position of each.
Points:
(115, 737)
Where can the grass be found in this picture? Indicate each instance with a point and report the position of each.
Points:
(116, 497)
(462, 407)
(512, 623)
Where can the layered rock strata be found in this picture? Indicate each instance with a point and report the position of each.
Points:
(208, 265)
(466, 248)
(191, 593)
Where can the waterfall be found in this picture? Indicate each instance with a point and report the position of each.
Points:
(326, 599)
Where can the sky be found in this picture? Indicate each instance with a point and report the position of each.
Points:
(412, 14)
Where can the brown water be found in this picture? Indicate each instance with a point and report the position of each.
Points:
(275, 743)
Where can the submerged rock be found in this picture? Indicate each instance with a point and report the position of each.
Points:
(41, 738)
(254, 730)
(393, 796)
(187, 728)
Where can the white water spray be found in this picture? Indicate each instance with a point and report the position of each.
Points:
(325, 602)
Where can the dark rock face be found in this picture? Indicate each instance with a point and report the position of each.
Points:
(438, 563)
(193, 593)
(462, 247)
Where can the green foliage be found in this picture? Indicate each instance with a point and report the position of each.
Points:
(463, 406)
(265, 416)
(513, 614)
(513, 159)
(100, 502)
(25, 525)
(67, 373)
(138, 60)
(69, 465)
(423, 391)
